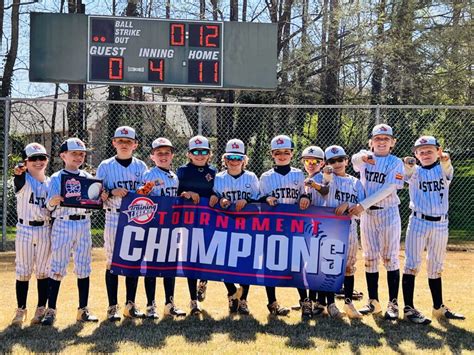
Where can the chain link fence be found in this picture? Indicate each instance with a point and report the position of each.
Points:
(49, 122)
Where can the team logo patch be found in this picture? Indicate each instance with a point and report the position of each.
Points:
(295, 182)
(383, 128)
(141, 210)
(79, 144)
(159, 182)
(198, 141)
(73, 188)
(208, 177)
(399, 176)
(124, 131)
(36, 147)
(311, 150)
(235, 146)
(423, 140)
(280, 141)
(247, 186)
(334, 150)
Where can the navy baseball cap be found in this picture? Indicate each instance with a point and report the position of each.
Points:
(73, 144)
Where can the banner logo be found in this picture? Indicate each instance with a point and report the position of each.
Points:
(141, 210)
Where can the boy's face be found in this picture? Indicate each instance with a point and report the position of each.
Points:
(381, 144)
(282, 156)
(339, 165)
(124, 146)
(427, 155)
(73, 159)
(37, 163)
(162, 157)
(199, 157)
(312, 165)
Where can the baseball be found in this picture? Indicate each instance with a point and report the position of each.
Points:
(94, 190)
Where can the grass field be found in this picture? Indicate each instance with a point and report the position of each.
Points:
(217, 332)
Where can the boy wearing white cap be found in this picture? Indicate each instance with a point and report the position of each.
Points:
(71, 233)
(238, 186)
(33, 231)
(120, 174)
(428, 225)
(381, 174)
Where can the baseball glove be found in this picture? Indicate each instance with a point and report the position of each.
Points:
(146, 189)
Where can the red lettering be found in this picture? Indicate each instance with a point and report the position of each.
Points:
(261, 226)
(189, 217)
(279, 225)
(316, 227)
(204, 219)
(175, 218)
(222, 221)
(297, 226)
(240, 223)
(161, 217)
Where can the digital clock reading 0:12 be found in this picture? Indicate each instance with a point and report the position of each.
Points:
(195, 46)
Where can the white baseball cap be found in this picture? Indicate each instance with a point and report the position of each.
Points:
(313, 152)
(426, 140)
(73, 144)
(34, 150)
(382, 129)
(282, 142)
(125, 132)
(161, 142)
(198, 142)
(334, 151)
(235, 147)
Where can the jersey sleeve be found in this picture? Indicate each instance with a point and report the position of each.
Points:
(255, 187)
(101, 174)
(447, 170)
(264, 186)
(357, 161)
(19, 181)
(360, 191)
(395, 174)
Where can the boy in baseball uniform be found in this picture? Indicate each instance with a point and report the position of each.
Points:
(71, 233)
(33, 230)
(428, 225)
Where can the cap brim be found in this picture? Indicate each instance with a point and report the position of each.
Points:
(339, 156)
(231, 153)
(38, 155)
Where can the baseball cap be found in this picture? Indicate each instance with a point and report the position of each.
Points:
(34, 150)
(161, 142)
(313, 152)
(235, 147)
(426, 140)
(334, 151)
(382, 129)
(198, 142)
(125, 132)
(73, 144)
(282, 142)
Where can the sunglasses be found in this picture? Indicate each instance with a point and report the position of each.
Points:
(235, 157)
(39, 157)
(336, 160)
(199, 152)
(311, 161)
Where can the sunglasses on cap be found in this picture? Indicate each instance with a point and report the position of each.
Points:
(235, 157)
(38, 157)
(197, 152)
(312, 161)
(336, 160)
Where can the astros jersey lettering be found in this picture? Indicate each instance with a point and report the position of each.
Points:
(243, 187)
(166, 182)
(286, 188)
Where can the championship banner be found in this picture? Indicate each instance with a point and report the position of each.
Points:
(260, 245)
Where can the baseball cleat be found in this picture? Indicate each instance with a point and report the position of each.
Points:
(83, 315)
(39, 314)
(112, 313)
(233, 304)
(49, 317)
(306, 309)
(334, 312)
(151, 311)
(201, 291)
(392, 310)
(319, 309)
(243, 308)
(195, 308)
(372, 306)
(351, 311)
(413, 315)
(19, 317)
(132, 311)
(445, 312)
(172, 311)
(276, 310)
(356, 295)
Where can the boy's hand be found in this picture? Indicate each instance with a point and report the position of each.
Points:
(272, 201)
(368, 159)
(341, 209)
(311, 183)
(56, 200)
(328, 174)
(104, 195)
(240, 204)
(410, 161)
(224, 203)
(191, 196)
(356, 210)
(120, 192)
(19, 169)
(304, 203)
(213, 200)
(443, 157)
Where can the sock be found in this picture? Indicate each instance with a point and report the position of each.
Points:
(192, 286)
(131, 283)
(303, 294)
(312, 295)
(245, 292)
(408, 288)
(393, 281)
(150, 287)
(53, 291)
(330, 297)
(436, 292)
(83, 287)
(271, 294)
(322, 298)
(231, 289)
(348, 288)
(42, 286)
(168, 283)
(111, 282)
(373, 285)
(21, 293)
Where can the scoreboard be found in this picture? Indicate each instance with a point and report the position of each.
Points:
(156, 52)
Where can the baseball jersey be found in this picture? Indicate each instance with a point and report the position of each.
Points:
(114, 175)
(234, 188)
(198, 179)
(386, 170)
(31, 199)
(55, 189)
(429, 190)
(166, 182)
(286, 188)
(344, 189)
(314, 196)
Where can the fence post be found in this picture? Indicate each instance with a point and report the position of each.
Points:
(6, 129)
(377, 115)
(200, 119)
